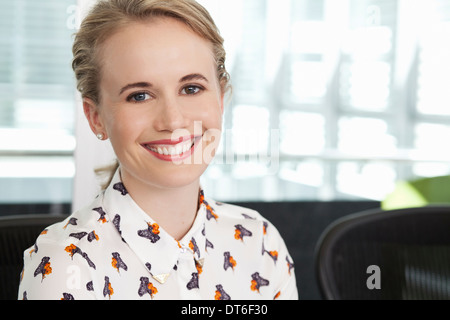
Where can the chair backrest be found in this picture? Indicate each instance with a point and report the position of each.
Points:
(17, 233)
(383, 255)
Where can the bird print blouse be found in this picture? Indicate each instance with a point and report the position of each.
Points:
(113, 250)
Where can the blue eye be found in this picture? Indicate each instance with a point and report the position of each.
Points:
(138, 97)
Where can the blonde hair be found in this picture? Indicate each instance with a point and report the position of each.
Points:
(108, 16)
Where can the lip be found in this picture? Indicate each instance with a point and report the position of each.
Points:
(173, 142)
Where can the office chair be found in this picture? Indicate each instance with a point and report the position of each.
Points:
(18, 233)
(401, 254)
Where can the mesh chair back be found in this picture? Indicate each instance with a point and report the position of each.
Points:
(406, 252)
(17, 233)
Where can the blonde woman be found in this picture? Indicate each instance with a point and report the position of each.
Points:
(153, 79)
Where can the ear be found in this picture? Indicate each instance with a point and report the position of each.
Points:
(91, 111)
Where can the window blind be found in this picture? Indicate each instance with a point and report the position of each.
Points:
(37, 97)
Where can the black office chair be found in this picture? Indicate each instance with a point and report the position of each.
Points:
(17, 233)
(400, 254)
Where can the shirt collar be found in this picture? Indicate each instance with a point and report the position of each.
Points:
(156, 249)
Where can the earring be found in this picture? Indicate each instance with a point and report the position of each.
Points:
(100, 136)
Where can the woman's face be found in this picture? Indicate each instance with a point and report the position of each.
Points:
(161, 103)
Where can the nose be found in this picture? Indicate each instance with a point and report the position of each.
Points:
(170, 116)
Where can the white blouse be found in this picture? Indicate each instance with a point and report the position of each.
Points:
(114, 250)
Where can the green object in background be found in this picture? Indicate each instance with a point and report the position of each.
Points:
(419, 193)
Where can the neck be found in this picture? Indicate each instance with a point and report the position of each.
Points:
(173, 209)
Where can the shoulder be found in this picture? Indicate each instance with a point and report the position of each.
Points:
(235, 211)
(256, 246)
(228, 213)
(58, 252)
(76, 228)
(245, 222)
(238, 214)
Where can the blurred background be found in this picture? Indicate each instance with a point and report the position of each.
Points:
(332, 100)
(338, 106)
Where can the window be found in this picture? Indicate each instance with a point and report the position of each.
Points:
(350, 96)
(37, 97)
(333, 99)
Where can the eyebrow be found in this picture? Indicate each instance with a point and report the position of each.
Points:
(189, 77)
(135, 85)
(193, 76)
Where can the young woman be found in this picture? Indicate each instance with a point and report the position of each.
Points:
(152, 76)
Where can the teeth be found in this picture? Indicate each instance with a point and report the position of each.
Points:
(175, 150)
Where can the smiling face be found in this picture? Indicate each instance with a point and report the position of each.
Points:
(160, 103)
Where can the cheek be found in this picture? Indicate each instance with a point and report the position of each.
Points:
(210, 116)
(212, 120)
(212, 126)
(216, 122)
(124, 126)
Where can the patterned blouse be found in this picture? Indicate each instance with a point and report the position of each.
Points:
(114, 250)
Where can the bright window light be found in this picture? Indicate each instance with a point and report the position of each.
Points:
(365, 136)
(433, 95)
(308, 36)
(249, 169)
(44, 114)
(250, 129)
(309, 173)
(369, 85)
(308, 81)
(368, 43)
(37, 167)
(372, 180)
(429, 170)
(432, 137)
(301, 132)
(36, 140)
